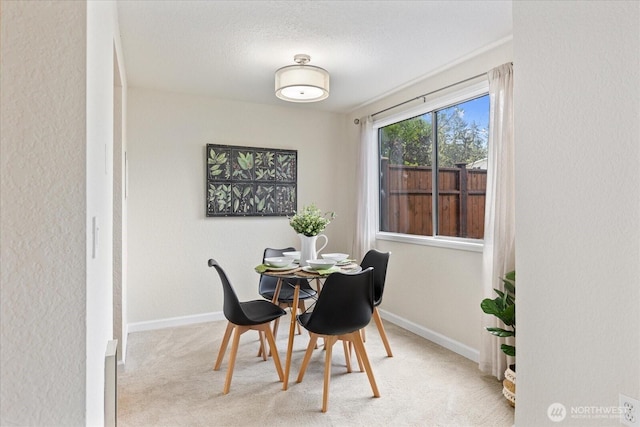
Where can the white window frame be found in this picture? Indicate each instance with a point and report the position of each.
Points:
(440, 102)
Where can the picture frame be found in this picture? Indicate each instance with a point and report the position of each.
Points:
(250, 181)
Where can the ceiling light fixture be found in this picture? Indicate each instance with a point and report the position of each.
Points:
(302, 82)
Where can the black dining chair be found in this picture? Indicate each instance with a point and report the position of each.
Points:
(242, 317)
(344, 306)
(267, 287)
(379, 261)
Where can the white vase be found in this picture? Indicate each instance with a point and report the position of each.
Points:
(308, 247)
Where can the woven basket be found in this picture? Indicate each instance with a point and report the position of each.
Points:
(509, 386)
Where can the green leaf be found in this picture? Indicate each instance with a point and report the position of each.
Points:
(508, 315)
(489, 306)
(509, 287)
(509, 350)
(499, 332)
(245, 161)
(242, 162)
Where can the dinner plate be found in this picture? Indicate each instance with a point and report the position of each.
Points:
(312, 270)
(286, 267)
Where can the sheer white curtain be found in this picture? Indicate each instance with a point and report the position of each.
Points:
(499, 225)
(366, 177)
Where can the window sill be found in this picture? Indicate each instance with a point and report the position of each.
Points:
(471, 245)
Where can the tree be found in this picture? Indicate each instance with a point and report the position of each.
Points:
(409, 142)
(459, 141)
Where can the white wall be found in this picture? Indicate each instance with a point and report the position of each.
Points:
(42, 213)
(57, 132)
(170, 239)
(102, 28)
(434, 291)
(577, 109)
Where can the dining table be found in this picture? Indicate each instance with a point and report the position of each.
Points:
(291, 276)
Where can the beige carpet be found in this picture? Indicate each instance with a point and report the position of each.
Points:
(168, 381)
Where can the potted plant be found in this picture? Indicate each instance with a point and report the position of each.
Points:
(309, 223)
(504, 308)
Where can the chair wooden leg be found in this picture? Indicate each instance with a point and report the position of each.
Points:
(223, 346)
(301, 309)
(276, 323)
(262, 346)
(358, 358)
(274, 352)
(347, 354)
(383, 334)
(307, 356)
(328, 346)
(359, 345)
(239, 330)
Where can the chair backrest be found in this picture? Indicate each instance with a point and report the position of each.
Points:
(231, 308)
(379, 261)
(268, 284)
(345, 304)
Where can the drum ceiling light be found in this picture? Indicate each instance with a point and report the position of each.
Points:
(302, 82)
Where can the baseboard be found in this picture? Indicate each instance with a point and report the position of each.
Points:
(444, 341)
(174, 321)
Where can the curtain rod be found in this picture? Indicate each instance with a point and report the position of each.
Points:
(356, 121)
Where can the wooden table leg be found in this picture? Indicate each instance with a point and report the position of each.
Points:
(274, 300)
(292, 329)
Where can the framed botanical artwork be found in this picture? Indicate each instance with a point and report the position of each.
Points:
(250, 181)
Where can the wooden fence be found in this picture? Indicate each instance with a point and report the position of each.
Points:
(406, 200)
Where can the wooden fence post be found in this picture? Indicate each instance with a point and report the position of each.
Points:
(384, 194)
(464, 193)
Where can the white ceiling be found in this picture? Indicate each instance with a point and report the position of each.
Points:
(231, 49)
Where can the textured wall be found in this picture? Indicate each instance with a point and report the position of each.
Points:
(577, 103)
(42, 213)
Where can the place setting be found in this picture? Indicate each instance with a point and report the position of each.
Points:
(282, 265)
(330, 263)
(323, 266)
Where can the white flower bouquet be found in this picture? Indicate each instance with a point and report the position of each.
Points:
(310, 221)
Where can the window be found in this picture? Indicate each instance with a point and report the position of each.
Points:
(433, 169)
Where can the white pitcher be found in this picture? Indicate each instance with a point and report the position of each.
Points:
(308, 247)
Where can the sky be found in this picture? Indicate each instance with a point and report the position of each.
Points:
(477, 110)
